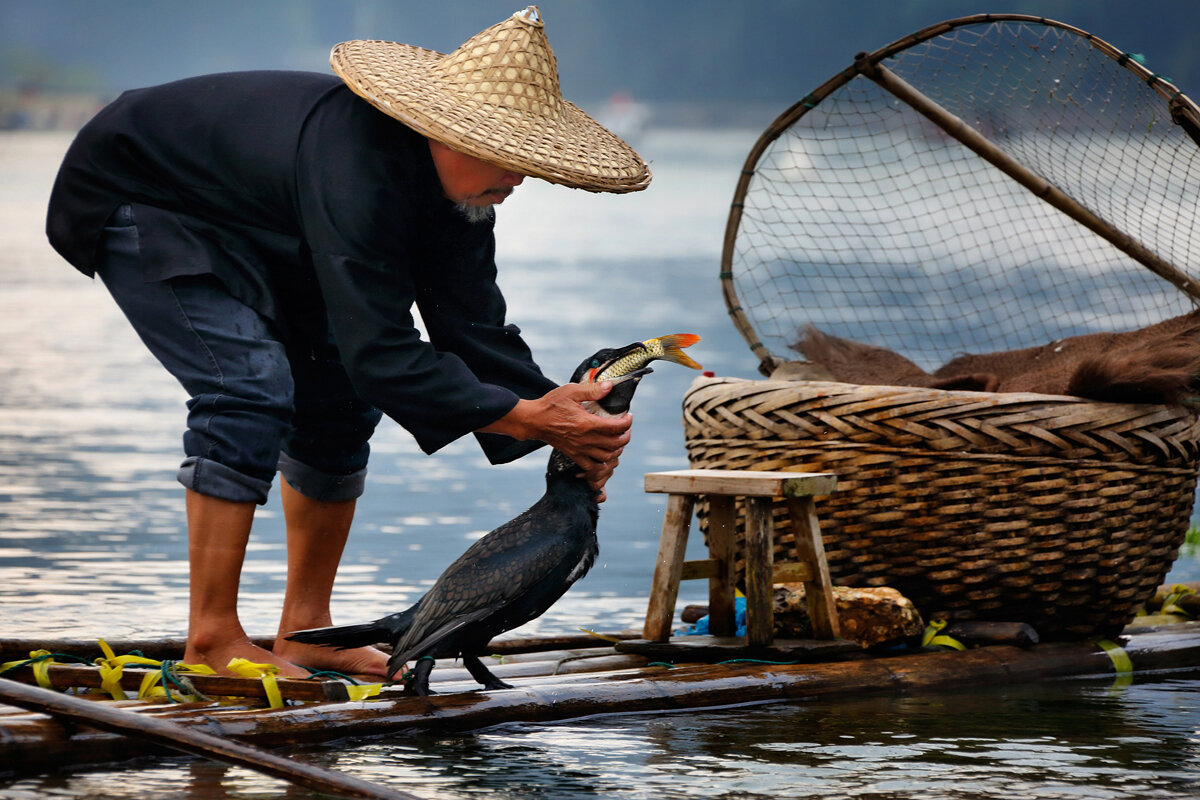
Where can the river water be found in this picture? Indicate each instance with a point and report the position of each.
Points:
(92, 538)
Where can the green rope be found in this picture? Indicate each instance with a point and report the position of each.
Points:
(169, 676)
(320, 673)
(48, 656)
(408, 675)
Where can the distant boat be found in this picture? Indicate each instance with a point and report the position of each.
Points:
(625, 116)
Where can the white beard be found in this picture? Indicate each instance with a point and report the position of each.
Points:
(476, 213)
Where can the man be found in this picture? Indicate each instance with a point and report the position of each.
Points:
(267, 234)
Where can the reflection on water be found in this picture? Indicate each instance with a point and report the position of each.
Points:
(92, 541)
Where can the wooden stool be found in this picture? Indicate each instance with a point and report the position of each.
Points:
(722, 488)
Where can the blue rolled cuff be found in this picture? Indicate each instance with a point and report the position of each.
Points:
(321, 486)
(213, 478)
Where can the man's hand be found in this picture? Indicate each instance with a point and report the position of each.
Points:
(557, 418)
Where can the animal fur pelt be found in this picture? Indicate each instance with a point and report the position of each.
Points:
(1156, 364)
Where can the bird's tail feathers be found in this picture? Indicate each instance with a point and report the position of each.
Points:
(344, 637)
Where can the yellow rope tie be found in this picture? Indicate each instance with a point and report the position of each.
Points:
(931, 636)
(39, 661)
(1120, 659)
(112, 667)
(1170, 602)
(266, 672)
(154, 684)
(362, 691)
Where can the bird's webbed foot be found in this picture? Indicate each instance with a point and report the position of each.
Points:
(482, 674)
(416, 682)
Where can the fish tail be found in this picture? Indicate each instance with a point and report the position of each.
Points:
(672, 345)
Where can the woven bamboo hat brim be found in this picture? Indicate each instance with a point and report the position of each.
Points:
(496, 98)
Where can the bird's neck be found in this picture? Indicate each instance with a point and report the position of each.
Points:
(563, 473)
(561, 466)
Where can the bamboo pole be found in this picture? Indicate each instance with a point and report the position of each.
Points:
(189, 740)
(1038, 185)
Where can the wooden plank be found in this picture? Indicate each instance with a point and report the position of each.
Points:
(760, 613)
(664, 587)
(792, 572)
(722, 547)
(688, 649)
(741, 483)
(698, 569)
(818, 590)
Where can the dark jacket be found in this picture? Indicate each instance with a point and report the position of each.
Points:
(312, 207)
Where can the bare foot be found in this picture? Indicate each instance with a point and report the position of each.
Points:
(218, 654)
(355, 661)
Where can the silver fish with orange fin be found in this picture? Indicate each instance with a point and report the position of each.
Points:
(614, 363)
(625, 366)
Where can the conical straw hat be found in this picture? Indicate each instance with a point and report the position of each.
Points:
(495, 98)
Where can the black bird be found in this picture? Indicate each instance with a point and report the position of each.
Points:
(515, 573)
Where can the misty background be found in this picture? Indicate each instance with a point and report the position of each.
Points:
(692, 62)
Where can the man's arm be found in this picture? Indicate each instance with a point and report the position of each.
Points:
(557, 418)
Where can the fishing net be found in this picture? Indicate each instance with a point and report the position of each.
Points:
(989, 183)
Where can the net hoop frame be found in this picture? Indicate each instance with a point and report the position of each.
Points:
(1183, 111)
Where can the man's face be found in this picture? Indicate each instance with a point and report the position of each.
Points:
(468, 181)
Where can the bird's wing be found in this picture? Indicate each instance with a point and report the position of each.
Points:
(493, 572)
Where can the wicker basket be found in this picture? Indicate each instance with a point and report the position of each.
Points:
(1055, 511)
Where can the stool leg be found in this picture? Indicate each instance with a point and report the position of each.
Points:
(818, 592)
(722, 548)
(668, 570)
(760, 562)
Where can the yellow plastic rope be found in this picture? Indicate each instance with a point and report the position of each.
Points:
(112, 667)
(932, 637)
(267, 672)
(1120, 658)
(362, 691)
(39, 661)
(154, 685)
(1170, 606)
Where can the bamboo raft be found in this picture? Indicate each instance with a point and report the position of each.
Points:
(560, 678)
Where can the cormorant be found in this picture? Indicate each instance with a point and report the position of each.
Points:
(515, 573)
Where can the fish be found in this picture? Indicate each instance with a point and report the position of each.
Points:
(604, 366)
(627, 363)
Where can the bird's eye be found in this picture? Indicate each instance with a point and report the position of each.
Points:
(595, 363)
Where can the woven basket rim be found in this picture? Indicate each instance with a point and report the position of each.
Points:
(941, 420)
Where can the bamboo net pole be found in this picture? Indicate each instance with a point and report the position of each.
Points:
(190, 740)
(1038, 185)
